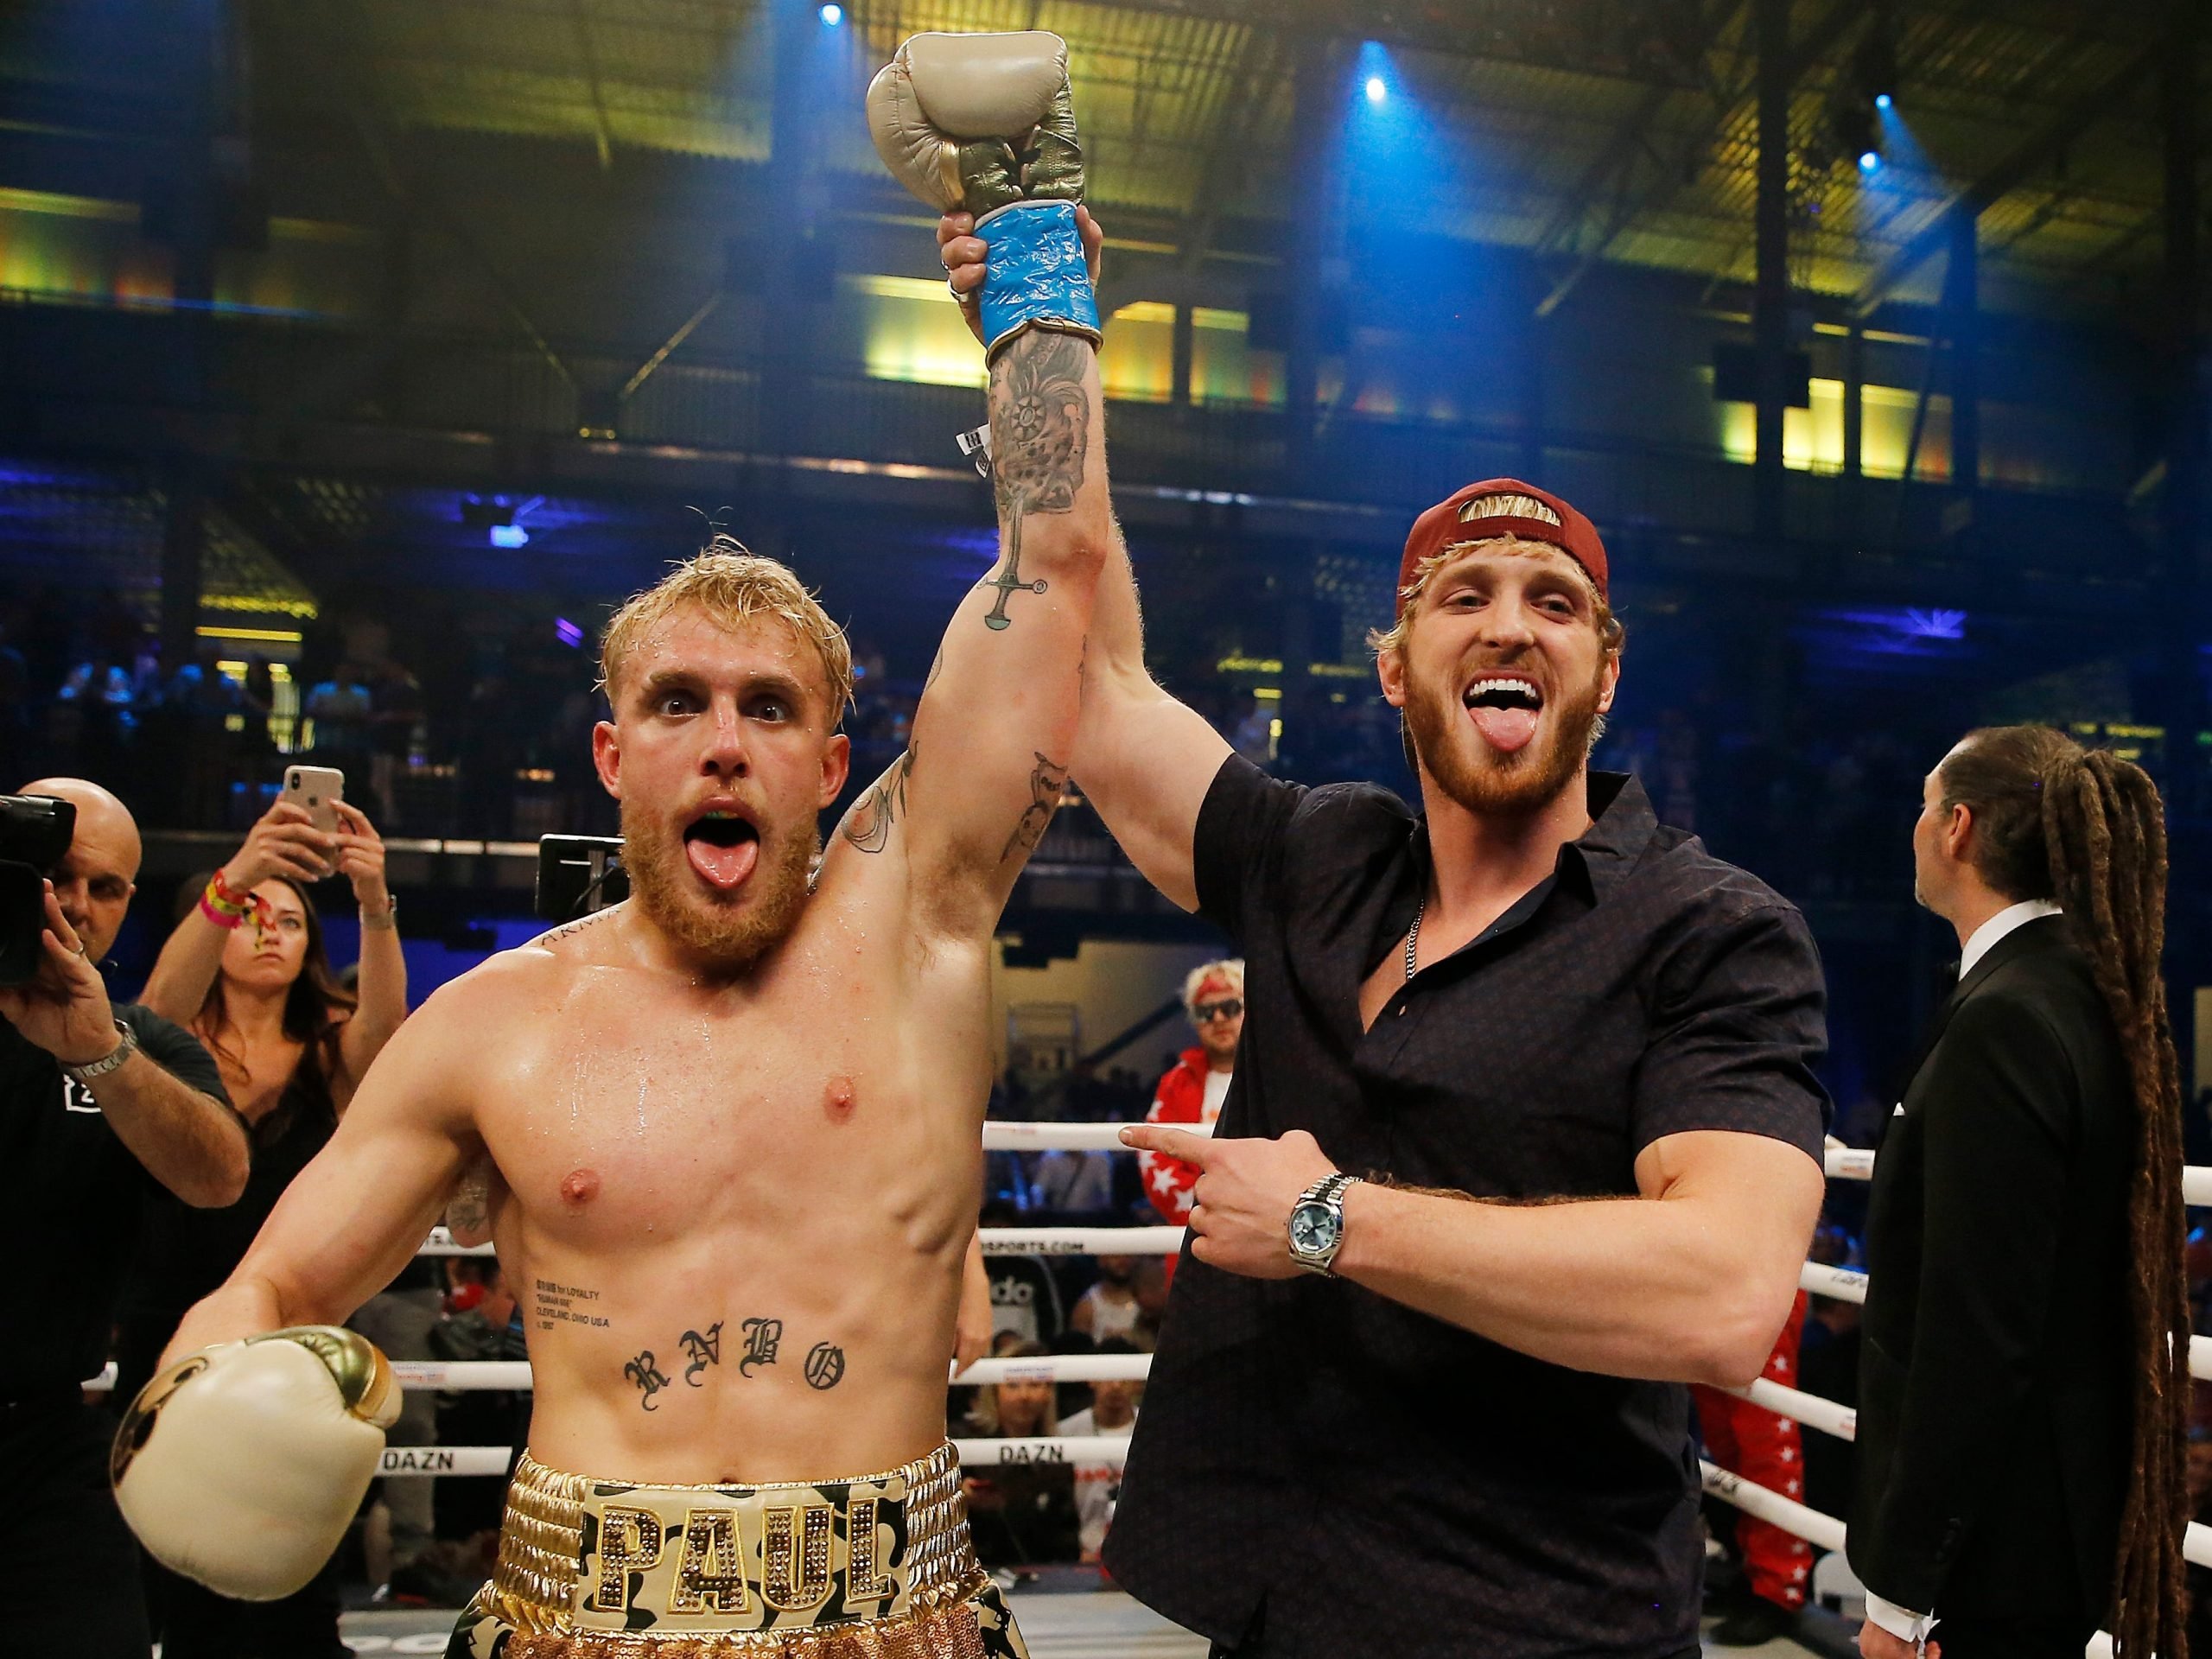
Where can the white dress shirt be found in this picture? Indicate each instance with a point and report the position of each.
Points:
(1984, 939)
(1900, 1622)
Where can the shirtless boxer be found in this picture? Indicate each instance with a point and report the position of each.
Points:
(736, 1128)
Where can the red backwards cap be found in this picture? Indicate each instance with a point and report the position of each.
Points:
(1501, 506)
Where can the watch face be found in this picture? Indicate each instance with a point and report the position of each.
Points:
(1313, 1228)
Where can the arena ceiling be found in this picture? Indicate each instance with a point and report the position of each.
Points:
(1586, 132)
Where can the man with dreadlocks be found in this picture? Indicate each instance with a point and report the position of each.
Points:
(2023, 1377)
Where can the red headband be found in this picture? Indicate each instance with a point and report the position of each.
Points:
(1501, 506)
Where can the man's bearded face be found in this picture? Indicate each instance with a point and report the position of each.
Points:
(723, 754)
(1503, 678)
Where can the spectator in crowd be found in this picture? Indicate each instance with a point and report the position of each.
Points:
(1025, 1297)
(1112, 1412)
(247, 973)
(1198, 1083)
(102, 1106)
(486, 1325)
(395, 709)
(1766, 1448)
(1828, 1366)
(341, 709)
(1077, 1183)
(1108, 1309)
(1021, 1511)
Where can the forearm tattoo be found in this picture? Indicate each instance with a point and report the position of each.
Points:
(868, 826)
(1046, 781)
(1040, 436)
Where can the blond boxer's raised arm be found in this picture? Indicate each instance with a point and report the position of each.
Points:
(358, 1213)
(1144, 759)
(996, 731)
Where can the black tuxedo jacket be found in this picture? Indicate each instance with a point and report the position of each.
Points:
(1994, 1373)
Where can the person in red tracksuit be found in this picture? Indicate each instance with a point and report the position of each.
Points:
(1193, 1089)
(1763, 1448)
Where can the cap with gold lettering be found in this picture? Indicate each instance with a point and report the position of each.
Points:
(1502, 507)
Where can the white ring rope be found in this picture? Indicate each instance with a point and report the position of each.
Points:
(1108, 1449)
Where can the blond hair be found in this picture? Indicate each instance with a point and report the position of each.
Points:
(1230, 969)
(1385, 641)
(733, 585)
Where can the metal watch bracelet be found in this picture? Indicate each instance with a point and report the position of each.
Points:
(109, 1062)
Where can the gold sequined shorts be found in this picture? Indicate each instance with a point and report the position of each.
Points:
(879, 1567)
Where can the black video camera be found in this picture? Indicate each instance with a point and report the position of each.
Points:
(35, 831)
(578, 875)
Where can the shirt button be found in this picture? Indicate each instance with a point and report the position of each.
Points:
(1402, 1010)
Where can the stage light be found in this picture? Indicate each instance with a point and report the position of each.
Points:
(509, 536)
(1869, 160)
(833, 14)
(568, 633)
(1376, 90)
(1883, 100)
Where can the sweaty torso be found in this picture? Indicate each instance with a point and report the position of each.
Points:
(735, 1216)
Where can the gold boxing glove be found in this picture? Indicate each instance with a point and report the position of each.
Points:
(241, 1466)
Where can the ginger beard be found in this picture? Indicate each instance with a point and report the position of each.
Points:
(1484, 778)
(731, 927)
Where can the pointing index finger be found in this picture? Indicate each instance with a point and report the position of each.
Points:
(1176, 1143)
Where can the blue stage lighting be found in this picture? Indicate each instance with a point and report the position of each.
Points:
(1883, 100)
(509, 536)
(1869, 160)
(833, 14)
(1377, 89)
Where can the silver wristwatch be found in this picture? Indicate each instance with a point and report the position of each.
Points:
(109, 1062)
(1316, 1223)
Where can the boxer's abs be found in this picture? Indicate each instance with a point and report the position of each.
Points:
(736, 1355)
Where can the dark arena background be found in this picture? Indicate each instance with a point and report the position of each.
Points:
(356, 358)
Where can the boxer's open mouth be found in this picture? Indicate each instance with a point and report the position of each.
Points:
(722, 847)
(1504, 706)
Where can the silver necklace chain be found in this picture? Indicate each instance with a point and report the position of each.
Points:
(1412, 936)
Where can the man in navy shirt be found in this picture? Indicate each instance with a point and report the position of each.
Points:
(99, 1105)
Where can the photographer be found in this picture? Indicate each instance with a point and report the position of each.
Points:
(101, 1106)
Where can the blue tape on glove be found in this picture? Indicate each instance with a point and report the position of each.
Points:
(1035, 271)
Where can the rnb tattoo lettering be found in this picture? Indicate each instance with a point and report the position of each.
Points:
(647, 1377)
(762, 1337)
(825, 1366)
(704, 1350)
(1040, 434)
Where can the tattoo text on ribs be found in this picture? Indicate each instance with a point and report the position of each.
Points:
(1040, 435)
(1046, 782)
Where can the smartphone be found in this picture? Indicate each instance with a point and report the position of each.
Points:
(319, 789)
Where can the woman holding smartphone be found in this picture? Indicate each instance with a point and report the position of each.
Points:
(247, 973)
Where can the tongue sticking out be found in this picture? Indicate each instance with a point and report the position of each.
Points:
(723, 866)
(1507, 729)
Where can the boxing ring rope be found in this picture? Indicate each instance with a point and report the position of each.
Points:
(1827, 1416)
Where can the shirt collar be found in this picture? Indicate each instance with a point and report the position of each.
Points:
(1622, 825)
(1979, 942)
